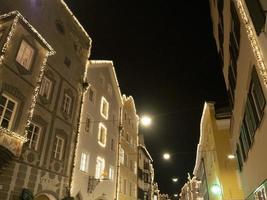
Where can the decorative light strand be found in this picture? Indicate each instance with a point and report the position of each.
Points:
(19, 16)
(36, 92)
(83, 92)
(10, 34)
(79, 25)
(252, 36)
(12, 134)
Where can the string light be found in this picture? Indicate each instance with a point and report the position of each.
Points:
(50, 51)
(36, 92)
(79, 25)
(252, 36)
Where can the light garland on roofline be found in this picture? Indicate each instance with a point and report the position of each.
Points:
(252, 36)
(79, 25)
(10, 34)
(40, 76)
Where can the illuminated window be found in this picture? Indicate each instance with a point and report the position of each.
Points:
(46, 87)
(102, 135)
(33, 136)
(111, 173)
(100, 167)
(84, 162)
(104, 108)
(58, 147)
(121, 157)
(7, 111)
(25, 55)
(67, 104)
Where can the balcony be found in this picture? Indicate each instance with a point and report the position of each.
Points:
(10, 145)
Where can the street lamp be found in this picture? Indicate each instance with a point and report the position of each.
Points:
(145, 120)
(166, 156)
(231, 156)
(174, 179)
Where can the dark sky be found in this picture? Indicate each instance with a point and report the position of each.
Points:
(165, 57)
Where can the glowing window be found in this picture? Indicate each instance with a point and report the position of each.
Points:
(84, 162)
(104, 108)
(102, 135)
(100, 167)
(111, 173)
(121, 157)
(25, 55)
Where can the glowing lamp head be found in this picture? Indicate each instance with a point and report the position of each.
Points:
(216, 189)
(166, 156)
(175, 179)
(231, 156)
(175, 195)
(146, 121)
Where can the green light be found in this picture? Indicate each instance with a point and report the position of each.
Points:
(216, 189)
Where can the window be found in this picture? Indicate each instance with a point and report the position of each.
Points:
(46, 87)
(102, 135)
(260, 194)
(33, 136)
(112, 145)
(100, 167)
(84, 162)
(58, 147)
(92, 94)
(104, 108)
(257, 97)
(111, 173)
(239, 158)
(7, 111)
(135, 167)
(125, 159)
(121, 155)
(124, 186)
(67, 104)
(88, 124)
(25, 55)
(1, 34)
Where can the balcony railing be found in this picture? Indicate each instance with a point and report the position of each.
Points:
(11, 141)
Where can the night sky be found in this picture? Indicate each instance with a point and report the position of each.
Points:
(165, 57)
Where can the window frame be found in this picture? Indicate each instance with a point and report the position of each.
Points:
(100, 172)
(55, 152)
(30, 140)
(12, 118)
(43, 87)
(104, 108)
(19, 61)
(65, 109)
(84, 162)
(101, 127)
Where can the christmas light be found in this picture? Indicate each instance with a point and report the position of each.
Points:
(252, 36)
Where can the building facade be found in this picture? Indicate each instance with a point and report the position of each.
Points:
(215, 167)
(128, 150)
(96, 152)
(190, 190)
(38, 101)
(145, 172)
(239, 30)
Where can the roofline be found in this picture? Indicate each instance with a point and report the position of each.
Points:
(144, 148)
(110, 65)
(199, 146)
(19, 15)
